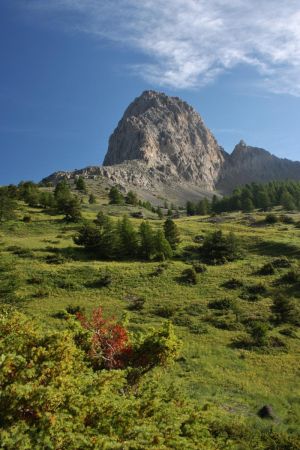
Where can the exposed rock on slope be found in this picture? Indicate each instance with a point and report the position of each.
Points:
(162, 148)
(251, 164)
(169, 136)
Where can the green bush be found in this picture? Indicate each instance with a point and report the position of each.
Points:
(219, 249)
(271, 219)
(189, 276)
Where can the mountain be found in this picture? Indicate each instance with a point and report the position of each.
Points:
(168, 135)
(248, 164)
(161, 148)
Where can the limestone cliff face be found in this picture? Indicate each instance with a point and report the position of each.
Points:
(168, 136)
(248, 164)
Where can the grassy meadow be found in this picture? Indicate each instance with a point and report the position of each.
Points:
(214, 369)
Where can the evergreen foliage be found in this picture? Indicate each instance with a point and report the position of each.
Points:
(171, 233)
(251, 196)
(219, 249)
(80, 184)
(115, 196)
(131, 198)
(8, 206)
(92, 199)
(121, 241)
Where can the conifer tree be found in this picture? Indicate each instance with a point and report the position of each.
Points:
(146, 240)
(163, 249)
(115, 196)
(92, 199)
(131, 198)
(7, 206)
(80, 184)
(171, 233)
(159, 212)
(127, 239)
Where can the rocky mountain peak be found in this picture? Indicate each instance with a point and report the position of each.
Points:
(161, 148)
(168, 135)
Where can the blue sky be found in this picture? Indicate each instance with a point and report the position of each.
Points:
(69, 68)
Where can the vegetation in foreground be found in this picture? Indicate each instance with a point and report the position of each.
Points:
(229, 291)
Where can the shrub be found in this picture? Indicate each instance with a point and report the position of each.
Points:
(75, 309)
(233, 283)
(165, 311)
(253, 292)
(259, 333)
(189, 276)
(218, 249)
(224, 304)
(286, 219)
(26, 219)
(195, 309)
(23, 252)
(199, 268)
(104, 279)
(271, 219)
(281, 263)
(291, 277)
(55, 259)
(289, 332)
(284, 310)
(136, 304)
(267, 269)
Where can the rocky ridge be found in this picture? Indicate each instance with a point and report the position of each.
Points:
(162, 148)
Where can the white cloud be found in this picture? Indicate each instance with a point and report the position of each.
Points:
(191, 42)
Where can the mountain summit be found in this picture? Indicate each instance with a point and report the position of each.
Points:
(168, 135)
(162, 148)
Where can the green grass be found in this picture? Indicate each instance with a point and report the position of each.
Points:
(211, 370)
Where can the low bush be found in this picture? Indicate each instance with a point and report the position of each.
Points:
(199, 268)
(26, 219)
(224, 304)
(233, 283)
(267, 269)
(281, 263)
(104, 279)
(291, 277)
(55, 259)
(189, 276)
(271, 219)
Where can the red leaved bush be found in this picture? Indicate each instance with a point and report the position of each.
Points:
(110, 347)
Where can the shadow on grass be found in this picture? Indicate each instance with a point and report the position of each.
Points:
(273, 248)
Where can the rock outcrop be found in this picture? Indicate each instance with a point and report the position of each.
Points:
(248, 164)
(162, 149)
(170, 137)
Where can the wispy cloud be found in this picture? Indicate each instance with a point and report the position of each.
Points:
(191, 42)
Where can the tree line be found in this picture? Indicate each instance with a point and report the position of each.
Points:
(110, 240)
(251, 196)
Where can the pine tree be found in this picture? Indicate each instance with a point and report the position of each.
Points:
(190, 208)
(171, 233)
(159, 212)
(146, 240)
(127, 239)
(202, 207)
(71, 208)
(92, 199)
(62, 189)
(163, 249)
(7, 206)
(115, 196)
(80, 184)
(287, 201)
(247, 204)
(131, 198)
